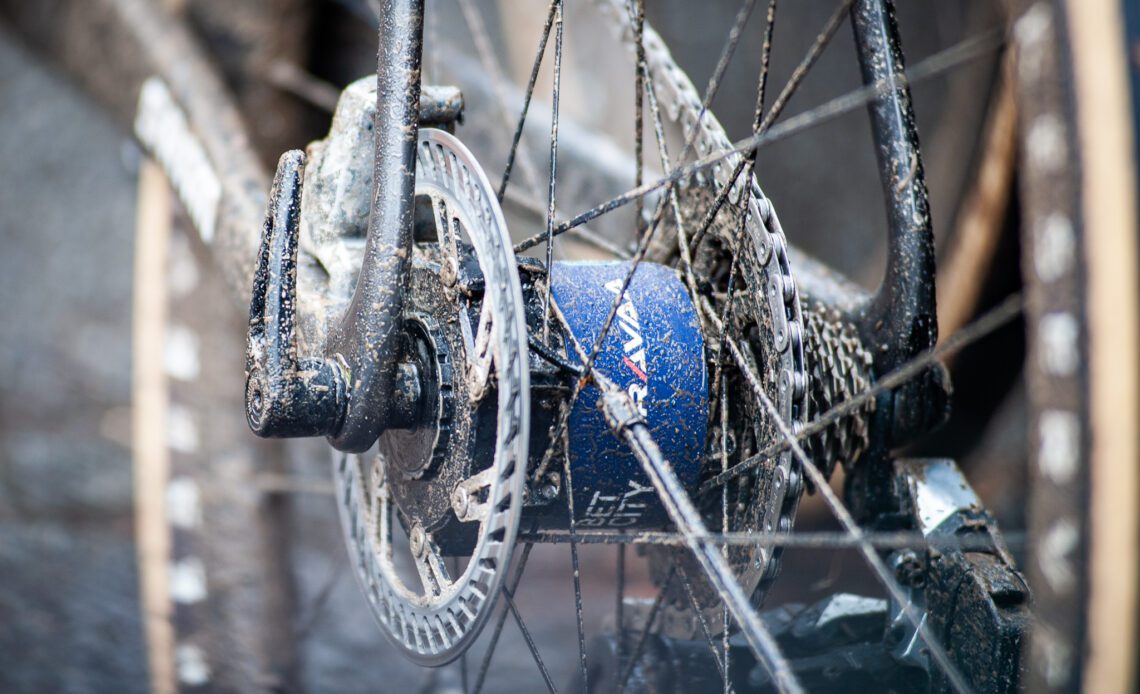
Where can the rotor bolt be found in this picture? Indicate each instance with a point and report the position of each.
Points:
(460, 501)
(418, 540)
(448, 273)
(476, 385)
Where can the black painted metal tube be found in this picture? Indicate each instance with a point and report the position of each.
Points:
(900, 320)
(367, 337)
(901, 315)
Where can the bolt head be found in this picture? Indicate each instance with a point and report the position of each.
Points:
(418, 540)
(256, 401)
(448, 272)
(476, 387)
(460, 501)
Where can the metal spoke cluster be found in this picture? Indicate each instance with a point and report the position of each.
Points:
(710, 548)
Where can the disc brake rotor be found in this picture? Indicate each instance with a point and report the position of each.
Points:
(435, 621)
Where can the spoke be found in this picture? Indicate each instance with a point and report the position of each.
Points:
(432, 73)
(525, 203)
(555, 6)
(619, 608)
(481, 677)
(625, 421)
(723, 467)
(761, 125)
(577, 572)
(821, 540)
(573, 546)
(563, 411)
(724, 647)
(588, 360)
(720, 199)
(429, 564)
(710, 92)
(639, 646)
(725, 58)
(553, 172)
(686, 248)
(490, 63)
(639, 109)
(723, 381)
(878, 566)
(663, 152)
(688, 586)
(809, 61)
(729, 304)
(765, 59)
(529, 641)
(933, 66)
(995, 318)
(291, 77)
(757, 120)
(550, 355)
(319, 603)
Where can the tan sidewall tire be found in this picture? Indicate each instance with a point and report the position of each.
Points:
(1104, 133)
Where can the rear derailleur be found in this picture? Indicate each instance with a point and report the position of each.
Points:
(963, 581)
